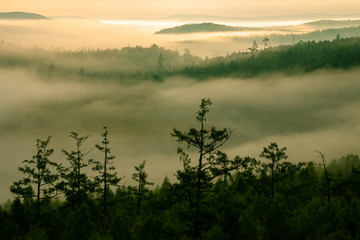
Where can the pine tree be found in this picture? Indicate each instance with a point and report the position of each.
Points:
(107, 177)
(212, 163)
(39, 181)
(275, 155)
(141, 178)
(76, 184)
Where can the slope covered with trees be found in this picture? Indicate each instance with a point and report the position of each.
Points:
(213, 197)
(202, 27)
(134, 64)
(21, 15)
(291, 59)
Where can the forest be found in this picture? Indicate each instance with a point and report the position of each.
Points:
(214, 196)
(201, 27)
(134, 64)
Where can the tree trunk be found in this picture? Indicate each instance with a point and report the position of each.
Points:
(198, 185)
(272, 181)
(78, 177)
(105, 181)
(139, 195)
(38, 198)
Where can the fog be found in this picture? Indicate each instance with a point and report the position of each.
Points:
(79, 33)
(317, 111)
(68, 33)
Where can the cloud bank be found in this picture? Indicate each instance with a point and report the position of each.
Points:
(317, 111)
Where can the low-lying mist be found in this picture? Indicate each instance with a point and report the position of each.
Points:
(317, 111)
(83, 33)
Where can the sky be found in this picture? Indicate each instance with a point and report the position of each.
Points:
(156, 8)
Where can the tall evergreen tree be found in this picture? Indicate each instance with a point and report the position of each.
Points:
(212, 163)
(106, 169)
(327, 177)
(140, 176)
(76, 184)
(39, 181)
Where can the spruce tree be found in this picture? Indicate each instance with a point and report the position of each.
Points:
(40, 181)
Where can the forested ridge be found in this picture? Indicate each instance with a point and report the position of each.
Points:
(291, 59)
(133, 64)
(201, 27)
(213, 197)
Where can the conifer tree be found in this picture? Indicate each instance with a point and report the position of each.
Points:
(275, 155)
(76, 184)
(39, 181)
(106, 169)
(140, 176)
(212, 163)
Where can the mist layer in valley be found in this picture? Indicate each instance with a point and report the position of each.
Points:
(55, 92)
(82, 33)
(315, 111)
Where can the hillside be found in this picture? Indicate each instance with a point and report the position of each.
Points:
(333, 23)
(21, 16)
(286, 17)
(200, 27)
(213, 27)
(156, 63)
(341, 53)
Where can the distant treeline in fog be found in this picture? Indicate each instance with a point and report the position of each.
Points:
(202, 27)
(131, 64)
(289, 59)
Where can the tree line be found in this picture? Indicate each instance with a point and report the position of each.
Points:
(154, 63)
(214, 196)
(341, 53)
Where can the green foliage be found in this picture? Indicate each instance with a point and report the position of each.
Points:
(275, 155)
(134, 64)
(212, 162)
(254, 47)
(36, 233)
(299, 58)
(140, 176)
(76, 184)
(212, 198)
(39, 182)
(106, 169)
(127, 65)
(37, 174)
(200, 27)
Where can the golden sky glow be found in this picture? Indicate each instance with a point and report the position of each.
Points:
(154, 8)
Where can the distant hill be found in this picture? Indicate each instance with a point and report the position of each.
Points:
(334, 23)
(200, 27)
(302, 57)
(21, 16)
(212, 18)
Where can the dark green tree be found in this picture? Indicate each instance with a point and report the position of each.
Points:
(275, 155)
(327, 177)
(212, 163)
(39, 181)
(76, 184)
(161, 63)
(106, 169)
(266, 42)
(140, 176)
(254, 48)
